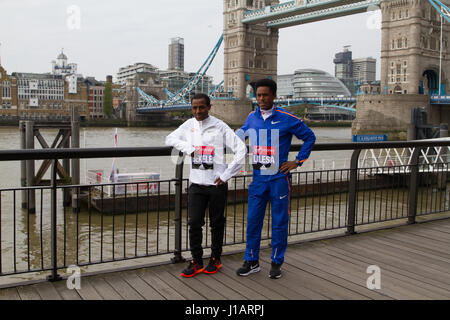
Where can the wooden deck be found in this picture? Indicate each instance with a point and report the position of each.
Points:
(414, 261)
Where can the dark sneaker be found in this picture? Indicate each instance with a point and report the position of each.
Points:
(248, 267)
(213, 266)
(192, 269)
(275, 271)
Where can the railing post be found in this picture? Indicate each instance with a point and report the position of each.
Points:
(54, 237)
(23, 165)
(31, 194)
(352, 192)
(178, 209)
(75, 143)
(413, 185)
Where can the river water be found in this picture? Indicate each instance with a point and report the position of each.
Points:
(90, 236)
(139, 137)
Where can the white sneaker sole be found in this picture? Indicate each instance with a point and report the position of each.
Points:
(250, 272)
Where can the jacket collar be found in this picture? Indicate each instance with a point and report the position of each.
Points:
(258, 112)
(208, 122)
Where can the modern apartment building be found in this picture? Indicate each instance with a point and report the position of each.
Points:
(354, 72)
(176, 54)
(364, 69)
(130, 71)
(176, 80)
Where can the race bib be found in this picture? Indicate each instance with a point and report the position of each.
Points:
(204, 158)
(263, 157)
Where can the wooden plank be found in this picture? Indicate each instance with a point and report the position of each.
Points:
(250, 284)
(441, 238)
(410, 289)
(222, 288)
(103, 288)
(163, 288)
(432, 224)
(390, 279)
(190, 288)
(388, 285)
(430, 234)
(292, 281)
(279, 286)
(144, 289)
(436, 255)
(398, 250)
(404, 250)
(28, 293)
(434, 227)
(443, 223)
(232, 282)
(9, 294)
(47, 291)
(331, 273)
(420, 243)
(314, 283)
(206, 285)
(66, 293)
(122, 287)
(342, 253)
(394, 257)
(87, 291)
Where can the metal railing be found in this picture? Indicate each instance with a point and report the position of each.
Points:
(149, 218)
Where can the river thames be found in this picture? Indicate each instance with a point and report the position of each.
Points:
(136, 137)
(89, 236)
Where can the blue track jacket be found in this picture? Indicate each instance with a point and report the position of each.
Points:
(270, 141)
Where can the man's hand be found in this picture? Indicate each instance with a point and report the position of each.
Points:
(218, 182)
(288, 166)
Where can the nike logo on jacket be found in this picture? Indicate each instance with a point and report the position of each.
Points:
(273, 136)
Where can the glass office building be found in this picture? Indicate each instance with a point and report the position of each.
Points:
(313, 83)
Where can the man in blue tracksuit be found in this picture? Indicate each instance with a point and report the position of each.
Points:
(270, 130)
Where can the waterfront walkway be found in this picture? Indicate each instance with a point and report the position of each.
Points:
(414, 263)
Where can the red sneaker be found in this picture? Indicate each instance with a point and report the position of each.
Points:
(213, 266)
(192, 269)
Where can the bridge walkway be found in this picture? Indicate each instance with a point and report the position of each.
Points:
(414, 261)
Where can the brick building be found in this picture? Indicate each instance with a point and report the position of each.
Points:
(8, 96)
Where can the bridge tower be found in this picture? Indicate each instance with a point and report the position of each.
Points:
(250, 53)
(410, 49)
(410, 64)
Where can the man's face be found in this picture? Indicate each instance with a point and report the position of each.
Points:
(265, 97)
(199, 109)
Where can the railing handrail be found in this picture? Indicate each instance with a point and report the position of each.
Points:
(354, 186)
(82, 153)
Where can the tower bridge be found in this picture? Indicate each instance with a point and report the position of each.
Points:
(415, 60)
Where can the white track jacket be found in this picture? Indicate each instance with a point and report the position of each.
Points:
(208, 139)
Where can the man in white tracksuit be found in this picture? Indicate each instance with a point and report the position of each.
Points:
(204, 138)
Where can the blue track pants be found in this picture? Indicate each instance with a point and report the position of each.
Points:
(259, 192)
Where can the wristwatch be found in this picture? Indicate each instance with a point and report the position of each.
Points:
(298, 162)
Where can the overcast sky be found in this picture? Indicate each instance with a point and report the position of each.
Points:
(103, 35)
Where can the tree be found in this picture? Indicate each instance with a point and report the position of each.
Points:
(107, 100)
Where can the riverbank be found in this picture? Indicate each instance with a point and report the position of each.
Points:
(171, 123)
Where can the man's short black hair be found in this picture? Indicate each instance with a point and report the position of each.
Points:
(267, 83)
(198, 96)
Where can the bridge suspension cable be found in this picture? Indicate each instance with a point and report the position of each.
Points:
(182, 96)
(146, 98)
(443, 10)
